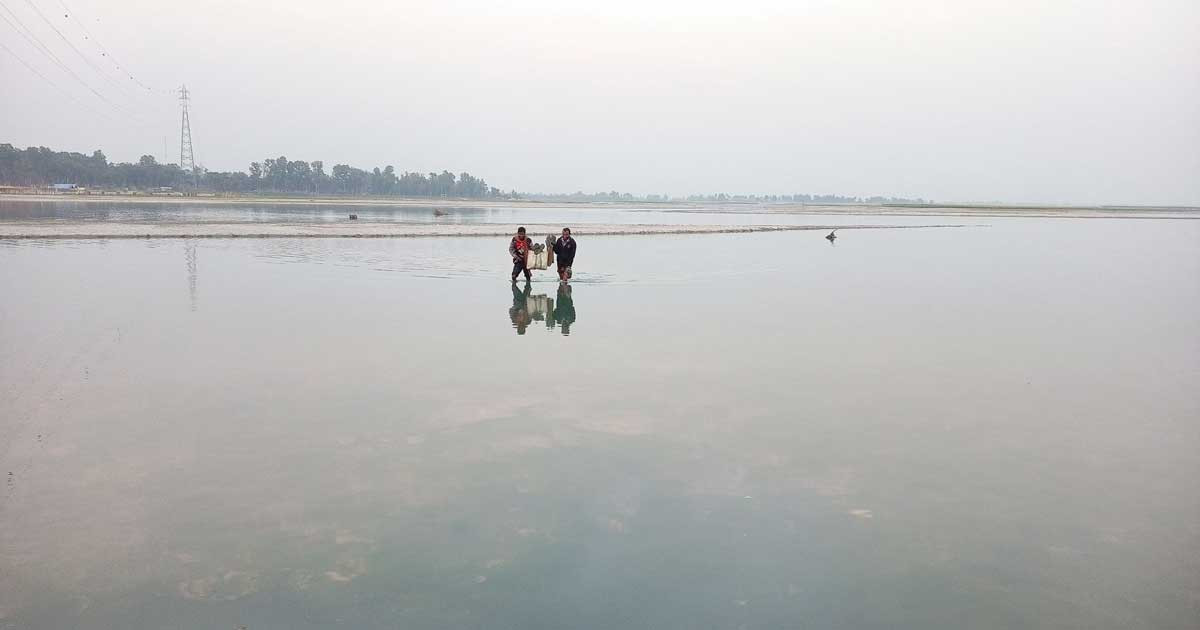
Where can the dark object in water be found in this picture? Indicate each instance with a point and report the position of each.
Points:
(354, 217)
(832, 235)
(438, 212)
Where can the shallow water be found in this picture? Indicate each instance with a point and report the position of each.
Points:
(986, 427)
(484, 213)
(55, 211)
(51, 218)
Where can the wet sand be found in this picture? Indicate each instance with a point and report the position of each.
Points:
(863, 209)
(363, 229)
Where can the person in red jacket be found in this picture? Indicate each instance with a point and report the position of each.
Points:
(518, 249)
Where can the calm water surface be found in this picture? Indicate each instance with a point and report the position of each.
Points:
(52, 212)
(985, 427)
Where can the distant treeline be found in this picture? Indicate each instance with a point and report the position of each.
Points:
(804, 198)
(39, 166)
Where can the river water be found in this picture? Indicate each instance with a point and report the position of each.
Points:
(990, 426)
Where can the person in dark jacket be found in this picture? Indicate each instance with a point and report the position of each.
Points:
(564, 309)
(518, 249)
(564, 254)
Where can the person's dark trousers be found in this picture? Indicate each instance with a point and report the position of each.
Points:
(518, 267)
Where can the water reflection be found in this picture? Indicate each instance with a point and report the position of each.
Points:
(527, 308)
(269, 483)
(189, 256)
(564, 313)
(519, 313)
(149, 211)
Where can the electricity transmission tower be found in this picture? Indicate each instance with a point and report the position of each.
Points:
(187, 158)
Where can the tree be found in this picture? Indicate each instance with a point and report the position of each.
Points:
(37, 166)
(341, 175)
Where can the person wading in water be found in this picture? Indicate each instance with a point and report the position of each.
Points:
(518, 249)
(564, 254)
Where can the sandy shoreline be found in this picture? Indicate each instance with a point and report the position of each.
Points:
(105, 230)
(785, 208)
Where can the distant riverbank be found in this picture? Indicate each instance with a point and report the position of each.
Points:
(950, 209)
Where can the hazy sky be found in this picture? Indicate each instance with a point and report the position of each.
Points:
(1076, 102)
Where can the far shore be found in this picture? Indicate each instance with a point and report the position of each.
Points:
(944, 209)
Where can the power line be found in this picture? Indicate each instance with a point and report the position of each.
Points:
(103, 51)
(24, 31)
(53, 84)
(72, 46)
(41, 47)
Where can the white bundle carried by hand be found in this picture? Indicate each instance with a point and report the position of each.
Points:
(535, 258)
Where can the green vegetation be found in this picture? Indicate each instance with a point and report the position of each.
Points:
(40, 167)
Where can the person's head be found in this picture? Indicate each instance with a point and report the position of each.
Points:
(521, 232)
(566, 232)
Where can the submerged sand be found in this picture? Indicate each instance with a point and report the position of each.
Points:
(777, 207)
(356, 229)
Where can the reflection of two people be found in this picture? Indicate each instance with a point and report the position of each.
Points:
(527, 308)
